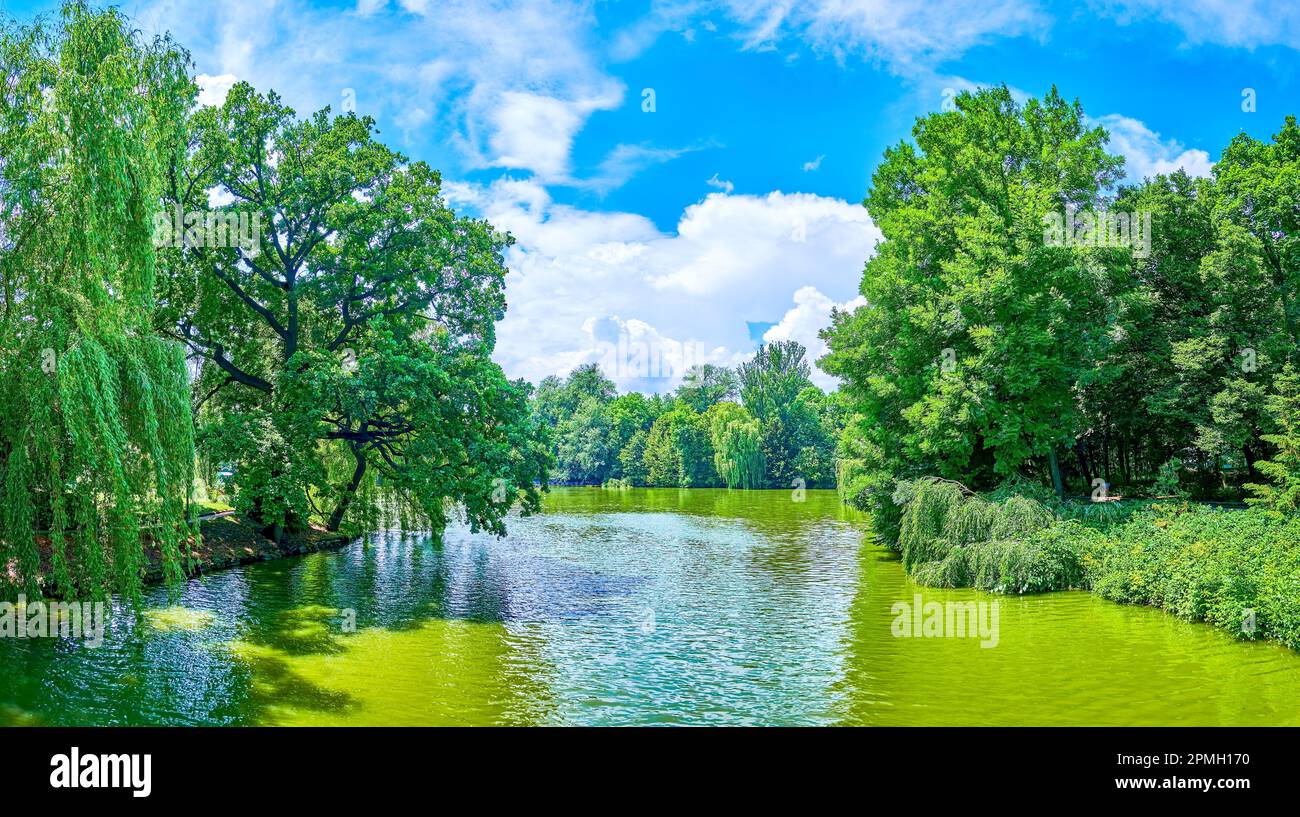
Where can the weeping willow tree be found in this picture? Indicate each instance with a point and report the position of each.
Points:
(737, 446)
(96, 437)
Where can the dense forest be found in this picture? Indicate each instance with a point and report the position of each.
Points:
(1056, 374)
(994, 346)
(763, 425)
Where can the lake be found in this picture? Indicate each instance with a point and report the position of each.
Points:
(646, 606)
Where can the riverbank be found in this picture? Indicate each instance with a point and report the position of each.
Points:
(228, 541)
(639, 607)
(1235, 569)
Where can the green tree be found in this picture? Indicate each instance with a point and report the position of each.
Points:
(1283, 406)
(707, 385)
(678, 451)
(582, 440)
(356, 325)
(737, 446)
(96, 438)
(628, 414)
(979, 330)
(632, 459)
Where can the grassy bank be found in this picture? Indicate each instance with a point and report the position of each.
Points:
(1235, 569)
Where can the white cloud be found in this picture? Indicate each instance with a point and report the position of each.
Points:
(535, 132)
(811, 313)
(907, 35)
(1247, 24)
(721, 184)
(213, 90)
(624, 162)
(1147, 154)
(508, 83)
(732, 259)
(808, 167)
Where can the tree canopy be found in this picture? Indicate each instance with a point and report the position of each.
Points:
(96, 438)
(1028, 317)
(346, 345)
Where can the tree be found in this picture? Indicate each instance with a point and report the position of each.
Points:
(773, 378)
(737, 446)
(776, 389)
(632, 459)
(350, 334)
(661, 457)
(96, 439)
(979, 331)
(628, 414)
(678, 452)
(706, 385)
(1284, 468)
(583, 454)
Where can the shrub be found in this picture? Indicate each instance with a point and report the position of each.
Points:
(1206, 564)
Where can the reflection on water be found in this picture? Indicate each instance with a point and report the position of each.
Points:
(643, 607)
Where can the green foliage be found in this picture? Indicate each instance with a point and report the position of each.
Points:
(1283, 407)
(632, 459)
(950, 537)
(699, 438)
(737, 446)
(678, 452)
(345, 348)
(1228, 568)
(975, 335)
(990, 348)
(706, 386)
(96, 437)
(1168, 481)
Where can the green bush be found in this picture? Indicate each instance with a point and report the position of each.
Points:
(1206, 564)
(1235, 569)
(950, 537)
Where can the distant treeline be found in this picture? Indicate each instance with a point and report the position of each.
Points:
(762, 425)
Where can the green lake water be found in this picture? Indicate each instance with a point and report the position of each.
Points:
(633, 607)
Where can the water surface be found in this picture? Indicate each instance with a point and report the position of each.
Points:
(632, 607)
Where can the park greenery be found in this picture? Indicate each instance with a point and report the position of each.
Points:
(1035, 405)
(763, 425)
(1052, 377)
(334, 356)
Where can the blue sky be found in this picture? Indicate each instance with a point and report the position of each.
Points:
(731, 212)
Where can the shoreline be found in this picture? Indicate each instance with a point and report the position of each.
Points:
(227, 541)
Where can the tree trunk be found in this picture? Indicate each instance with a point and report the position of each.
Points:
(1056, 473)
(336, 518)
(1083, 465)
(1105, 453)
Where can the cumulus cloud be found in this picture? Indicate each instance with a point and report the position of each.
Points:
(511, 82)
(1146, 154)
(811, 313)
(582, 278)
(213, 90)
(808, 167)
